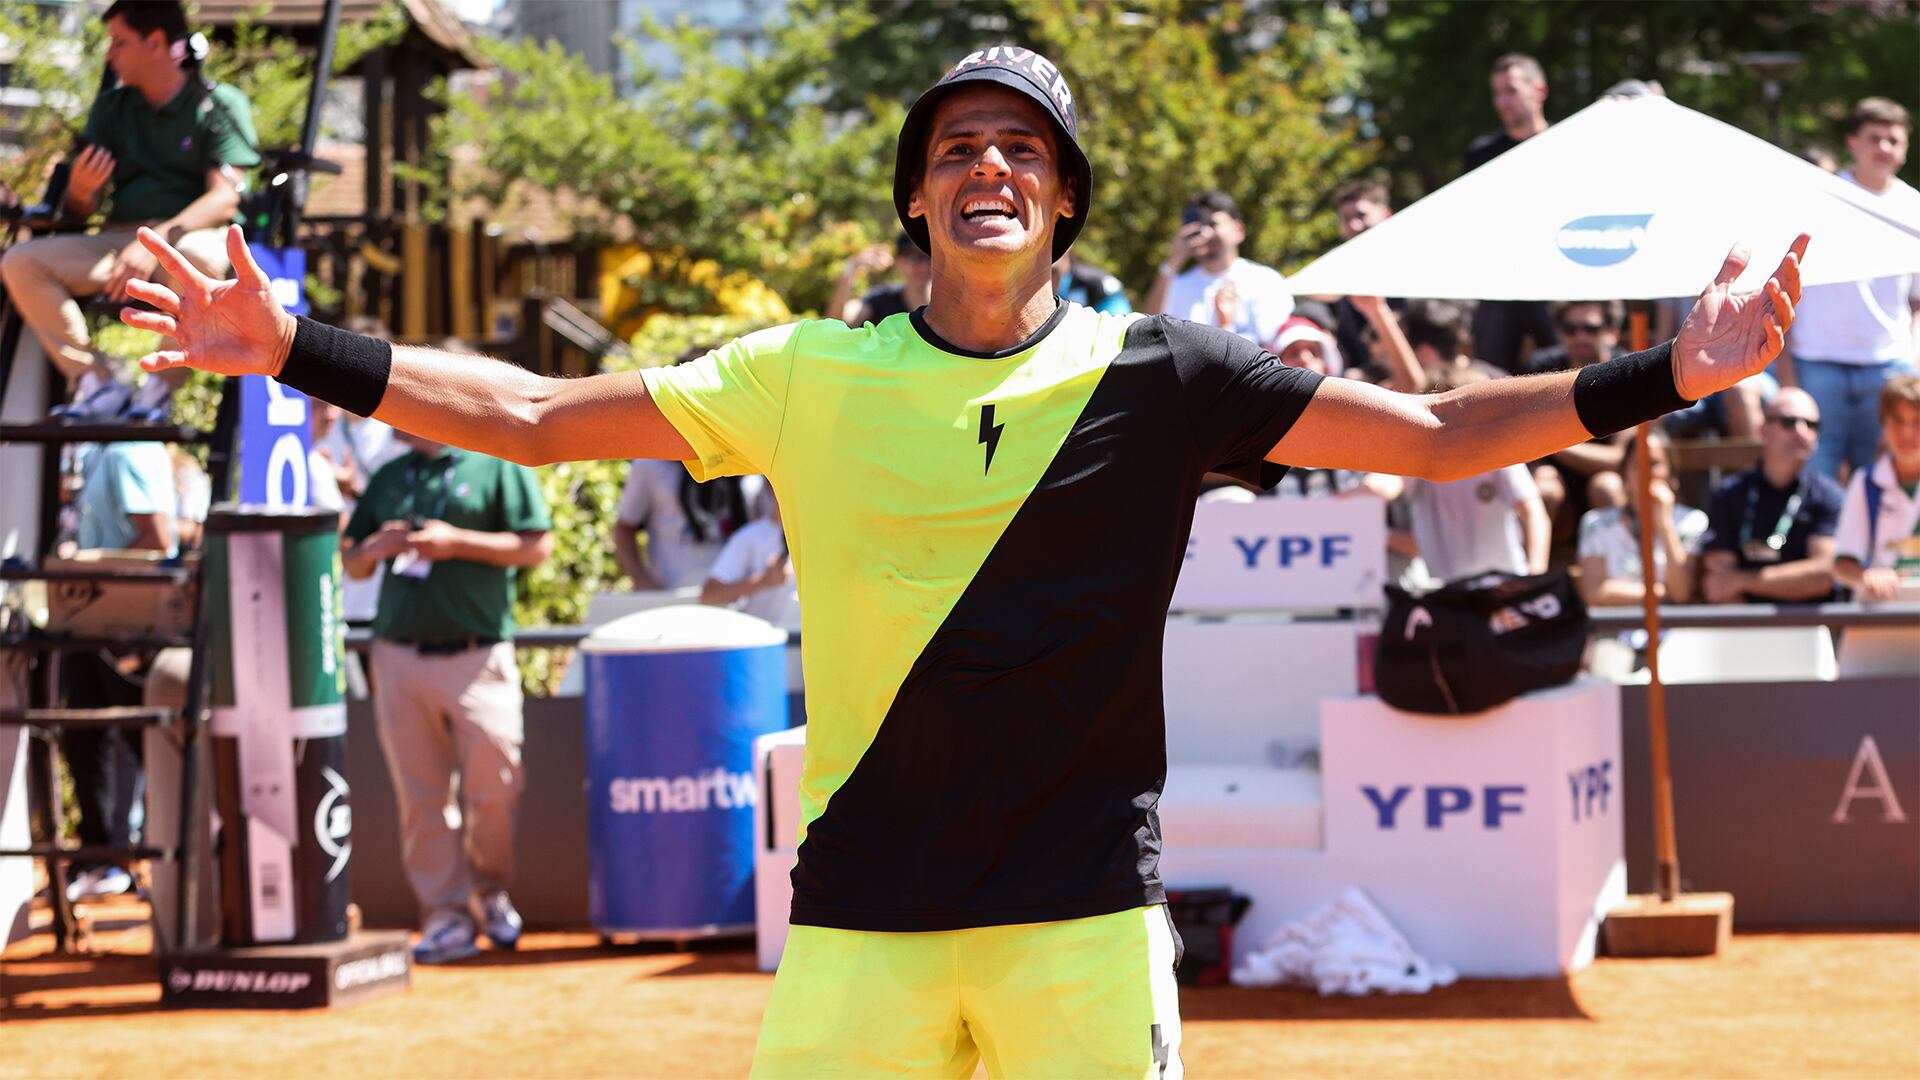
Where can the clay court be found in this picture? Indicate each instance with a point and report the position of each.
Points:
(1805, 1004)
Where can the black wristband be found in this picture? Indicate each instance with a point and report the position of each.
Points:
(1619, 393)
(338, 365)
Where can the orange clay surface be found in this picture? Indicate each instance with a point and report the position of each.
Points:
(1800, 1005)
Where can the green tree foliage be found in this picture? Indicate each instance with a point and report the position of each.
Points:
(738, 164)
(783, 165)
(1427, 84)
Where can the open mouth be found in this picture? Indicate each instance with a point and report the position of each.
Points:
(987, 208)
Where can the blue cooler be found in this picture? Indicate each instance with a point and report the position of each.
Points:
(675, 698)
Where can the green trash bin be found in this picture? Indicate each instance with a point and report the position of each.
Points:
(276, 651)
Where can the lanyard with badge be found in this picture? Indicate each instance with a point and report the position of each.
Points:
(409, 563)
(1768, 549)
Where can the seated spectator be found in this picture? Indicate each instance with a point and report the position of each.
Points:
(1610, 566)
(754, 572)
(164, 148)
(1437, 332)
(1584, 477)
(881, 301)
(1589, 333)
(1221, 288)
(1494, 521)
(126, 501)
(1080, 282)
(1878, 539)
(1770, 530)
(1302, 343)
(193, 497)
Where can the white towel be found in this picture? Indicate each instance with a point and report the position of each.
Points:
(1346, 946)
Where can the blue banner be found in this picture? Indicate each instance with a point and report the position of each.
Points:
(275, 435)
(275, 432)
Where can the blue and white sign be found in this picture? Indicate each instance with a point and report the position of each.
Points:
(1603, 239)
(275, 436)
(275, 433)
(286, 270)
(1281, 554)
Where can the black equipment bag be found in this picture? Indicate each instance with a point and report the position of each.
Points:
(1203, 921)
(1480, 641)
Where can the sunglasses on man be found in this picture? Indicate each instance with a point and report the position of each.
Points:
(1792, 422)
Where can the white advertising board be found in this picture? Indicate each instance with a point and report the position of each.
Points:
(1277, 554)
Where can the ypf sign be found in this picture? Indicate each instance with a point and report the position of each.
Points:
(1277, 554)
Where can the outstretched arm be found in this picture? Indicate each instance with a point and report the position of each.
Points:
(1350, 425)
(235, 328)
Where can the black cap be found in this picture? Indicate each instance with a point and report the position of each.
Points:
(1016, 69)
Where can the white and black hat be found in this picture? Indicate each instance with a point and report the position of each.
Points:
(1016, 69)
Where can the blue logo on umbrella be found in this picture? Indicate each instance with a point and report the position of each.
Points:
(1603, 239)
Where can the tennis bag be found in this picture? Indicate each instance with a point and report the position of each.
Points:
(1477, 642)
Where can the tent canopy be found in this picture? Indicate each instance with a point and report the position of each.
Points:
(1628, 199)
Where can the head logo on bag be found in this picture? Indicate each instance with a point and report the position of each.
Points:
(1476, 643)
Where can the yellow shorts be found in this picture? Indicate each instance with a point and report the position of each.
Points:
(1091, 997)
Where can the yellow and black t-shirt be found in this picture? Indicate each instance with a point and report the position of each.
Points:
(985, 546)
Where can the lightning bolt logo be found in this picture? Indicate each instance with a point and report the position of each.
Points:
(989, 434)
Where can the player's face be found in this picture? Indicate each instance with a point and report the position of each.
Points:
(992, 184)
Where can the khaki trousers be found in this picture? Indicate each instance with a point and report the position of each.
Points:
(44, 276)
(439, 716)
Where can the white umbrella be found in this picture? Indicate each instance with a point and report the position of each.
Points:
(1630, 198)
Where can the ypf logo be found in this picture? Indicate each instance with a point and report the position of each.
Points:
(333, 823)
(1603, 239)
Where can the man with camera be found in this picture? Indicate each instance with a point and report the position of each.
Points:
(1221, 288)
(163, 148)
(452, 527)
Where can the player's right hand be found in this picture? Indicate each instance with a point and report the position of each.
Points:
(230, 327)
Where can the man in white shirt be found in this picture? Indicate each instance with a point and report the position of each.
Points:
(1878, 539)
(685, 522)
(1221, 288)
(1851, 337)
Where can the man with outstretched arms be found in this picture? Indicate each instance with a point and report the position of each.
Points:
(987, 501)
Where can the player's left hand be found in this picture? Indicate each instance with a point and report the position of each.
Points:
(1728, 335)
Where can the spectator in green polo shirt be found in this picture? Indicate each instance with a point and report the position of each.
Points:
(452, 527)
(163, 148)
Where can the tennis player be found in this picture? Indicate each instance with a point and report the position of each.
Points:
(987, 501)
